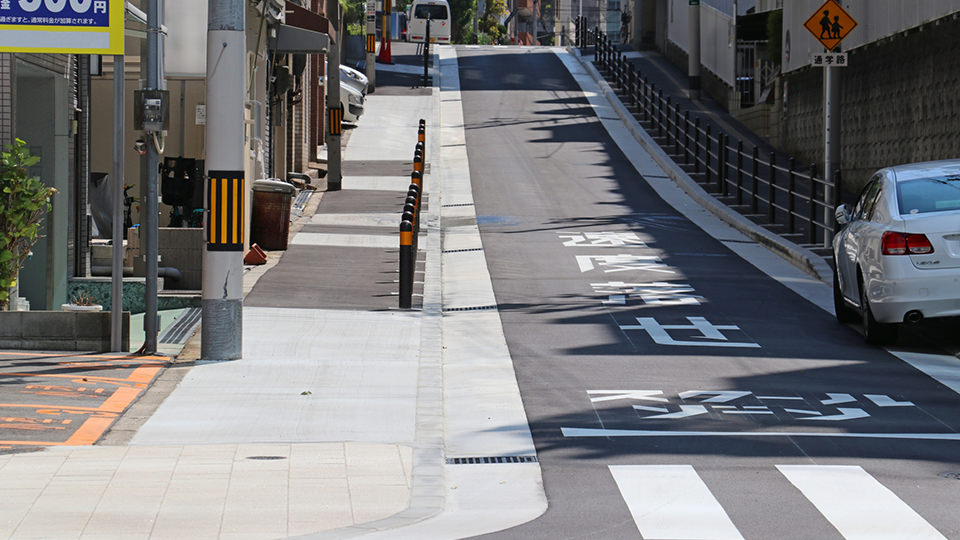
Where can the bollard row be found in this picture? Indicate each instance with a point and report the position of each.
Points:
(410, 220)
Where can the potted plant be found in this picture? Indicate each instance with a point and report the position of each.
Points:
(82, 301)
(24, 200)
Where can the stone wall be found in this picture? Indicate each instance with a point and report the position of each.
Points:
(60, 330)
(899, 104)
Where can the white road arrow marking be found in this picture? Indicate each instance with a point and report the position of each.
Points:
(886, 401)
(803, 411)
(722, 396)
(609, 395)
(684, 412)
(837, 399)
(651, 409)
(845, 414)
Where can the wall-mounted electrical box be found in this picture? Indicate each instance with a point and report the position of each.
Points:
(151, 110)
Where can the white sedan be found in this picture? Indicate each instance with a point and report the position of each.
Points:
(897, 255)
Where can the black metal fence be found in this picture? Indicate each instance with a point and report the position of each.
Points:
(784, 194)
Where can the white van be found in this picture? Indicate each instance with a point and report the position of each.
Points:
(438, 11)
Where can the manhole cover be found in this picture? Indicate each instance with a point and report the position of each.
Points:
(950, 475)
(266, 458)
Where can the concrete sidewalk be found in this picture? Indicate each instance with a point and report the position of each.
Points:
(346, 416)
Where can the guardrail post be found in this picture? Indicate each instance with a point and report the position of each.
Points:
(812, 210)
(739, 172)
(772, 210)
(686, 136)
(756, 183)
(706, 154)
(791, 193)
(407, 262)
(676, 129)
(722, 164)
(696, 146)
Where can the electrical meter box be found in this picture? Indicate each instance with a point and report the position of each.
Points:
(151, 110)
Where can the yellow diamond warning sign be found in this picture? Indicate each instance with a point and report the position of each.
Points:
(830, 24)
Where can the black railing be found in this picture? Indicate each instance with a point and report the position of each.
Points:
(786, 195)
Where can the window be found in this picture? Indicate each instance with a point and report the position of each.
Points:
(929, 195)
(430, 11)
(868, 199)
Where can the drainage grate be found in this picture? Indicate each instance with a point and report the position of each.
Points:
(490, 459)
(180, 330)
(950, 475)
(464, 250)
(471, 308)
(458, 205)
(266, 458)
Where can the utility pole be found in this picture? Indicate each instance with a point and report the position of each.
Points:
(150, 228)
(693, 50)
(371, 18)
(116, 276)
(222, 305)
(334, 122)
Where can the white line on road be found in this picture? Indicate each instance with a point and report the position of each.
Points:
(596, 432)
(672, 501)
(857, 504)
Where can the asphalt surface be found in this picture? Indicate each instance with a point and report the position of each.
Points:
(56, 399)
(662, 374)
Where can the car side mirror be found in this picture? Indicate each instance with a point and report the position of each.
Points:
(842, 215)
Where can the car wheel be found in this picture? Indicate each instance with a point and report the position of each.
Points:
(876, 333)
(845, 314)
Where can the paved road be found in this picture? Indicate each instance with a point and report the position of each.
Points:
(672, 388)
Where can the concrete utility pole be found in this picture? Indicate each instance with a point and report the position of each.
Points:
(334, 166)
(371, 18)
(150, 226)
(116, 276)
(693, 52)
(222, 307)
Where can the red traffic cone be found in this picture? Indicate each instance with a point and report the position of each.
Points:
(384, 56)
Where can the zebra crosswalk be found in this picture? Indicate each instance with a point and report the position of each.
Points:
(674, 502)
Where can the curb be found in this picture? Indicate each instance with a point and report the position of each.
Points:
(801, 257)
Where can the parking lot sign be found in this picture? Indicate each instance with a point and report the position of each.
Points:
(62, 26)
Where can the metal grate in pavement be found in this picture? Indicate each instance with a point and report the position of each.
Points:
(464, 250)
(490, 460)
(471, 308)
(178, 332)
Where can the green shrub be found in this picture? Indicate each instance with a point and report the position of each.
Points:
(24, 200)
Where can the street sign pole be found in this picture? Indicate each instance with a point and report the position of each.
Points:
(222, 297)
(831, 145)
(116, 277)
(693, 53)
(829, 25)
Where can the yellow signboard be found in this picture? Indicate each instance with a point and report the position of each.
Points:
(62, 26)
(830, 24)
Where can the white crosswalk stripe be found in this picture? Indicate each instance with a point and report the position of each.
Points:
(671, 501)
(858, 505)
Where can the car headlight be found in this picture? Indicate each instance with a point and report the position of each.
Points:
(355, 99)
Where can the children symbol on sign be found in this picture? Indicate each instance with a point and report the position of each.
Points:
(825, 27)
(836, 27)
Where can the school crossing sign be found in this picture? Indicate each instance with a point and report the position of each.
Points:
(62, 26)
(830, 24)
